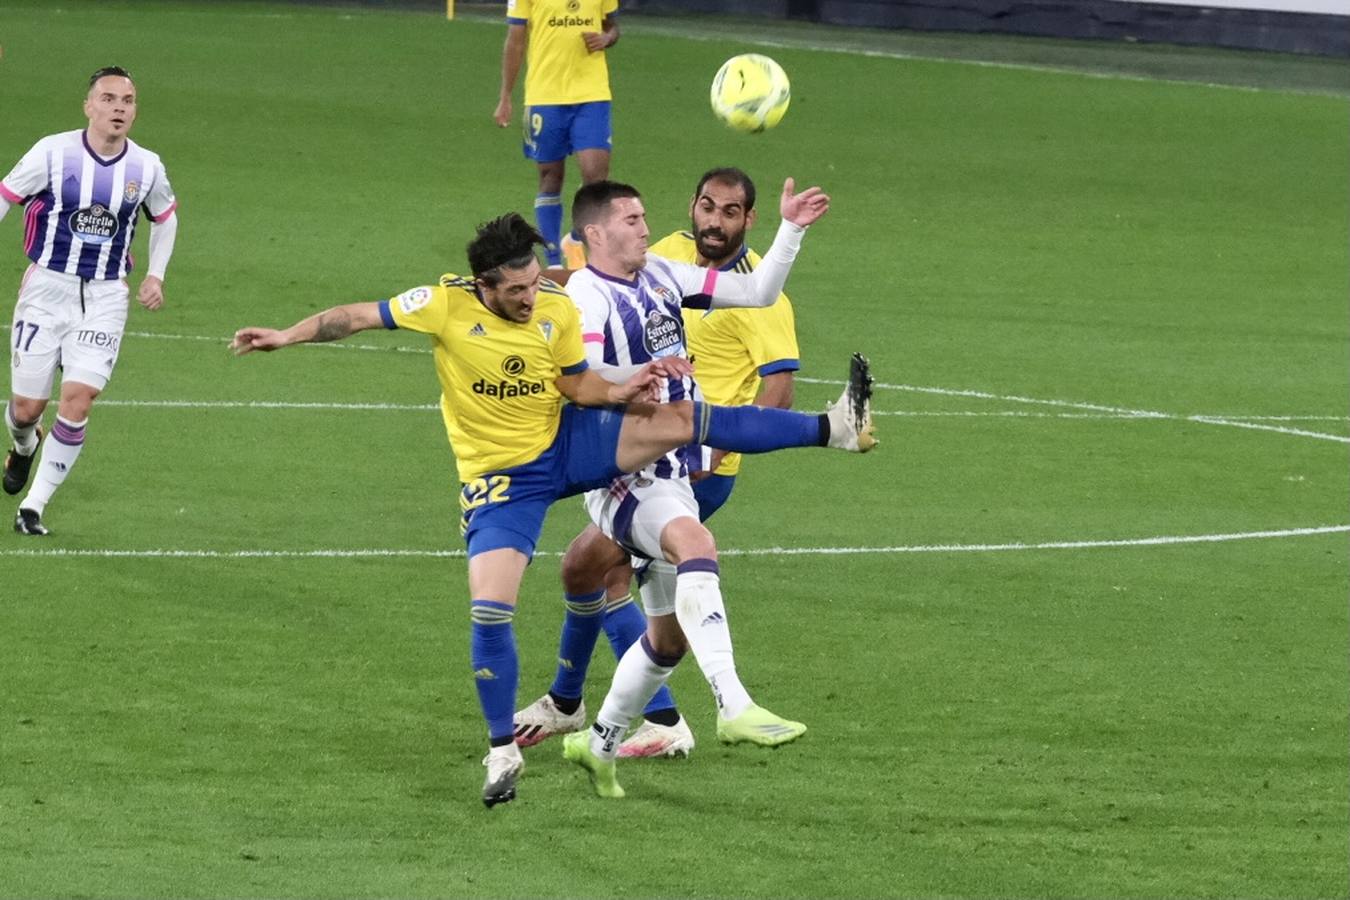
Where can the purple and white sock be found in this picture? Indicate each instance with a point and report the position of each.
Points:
(59, 453)
(640, 673)
(703, 618)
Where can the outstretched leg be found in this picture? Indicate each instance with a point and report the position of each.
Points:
(651, 430)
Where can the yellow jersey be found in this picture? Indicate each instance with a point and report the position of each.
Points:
(498, 399)
(558, 67)
(732, 348)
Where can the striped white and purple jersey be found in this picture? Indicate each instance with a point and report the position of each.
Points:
(627, 323)
(81, 209)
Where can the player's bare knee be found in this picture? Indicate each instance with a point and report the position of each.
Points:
(26, 410)
(594, 165)
(578, 577)
(495, 575)
(75, 404)
(588, 559)
(618, 581)
(686, 538)
(551, 177)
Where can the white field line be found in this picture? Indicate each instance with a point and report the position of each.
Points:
(1234, 422)
(1161, 540)
(936, 414)
(1230, 421)
(684, 31)
(1125, 412)
(224, 343)
(1023, 414)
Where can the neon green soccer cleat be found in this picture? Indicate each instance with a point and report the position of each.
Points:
(577, 749)
(758, 726)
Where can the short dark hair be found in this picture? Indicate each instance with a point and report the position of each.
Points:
(729, 175)
(106, 71)
(505, 242)
(592, 200)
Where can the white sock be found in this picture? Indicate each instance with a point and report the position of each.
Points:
(703, 618)
(59, 453)
(25, 436)
(636, 679)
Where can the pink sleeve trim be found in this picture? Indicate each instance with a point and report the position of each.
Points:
(709, 282)
(165, 215)
(593, 337)
(9, 195)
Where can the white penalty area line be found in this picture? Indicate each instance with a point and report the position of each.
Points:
(1162, 540)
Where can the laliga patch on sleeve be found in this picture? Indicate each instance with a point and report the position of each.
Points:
(413, 300)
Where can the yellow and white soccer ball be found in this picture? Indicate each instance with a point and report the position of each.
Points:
(750, 92)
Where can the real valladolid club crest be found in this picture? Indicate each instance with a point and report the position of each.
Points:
(131, 191)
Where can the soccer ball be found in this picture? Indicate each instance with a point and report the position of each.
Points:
(750, 92)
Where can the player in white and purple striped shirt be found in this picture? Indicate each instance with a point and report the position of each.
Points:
(82, 192)
(630, 306)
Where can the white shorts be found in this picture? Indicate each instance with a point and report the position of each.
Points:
(63, 320)
(656, 586)
(633, 511)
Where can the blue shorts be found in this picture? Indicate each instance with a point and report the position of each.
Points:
(506, 508)
(711, 493)
(553, 133)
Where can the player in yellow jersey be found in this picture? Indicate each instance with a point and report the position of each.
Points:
(742, 356)
(508, 352)
(567, 101)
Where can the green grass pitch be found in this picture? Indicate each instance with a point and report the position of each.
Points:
(1103, 309)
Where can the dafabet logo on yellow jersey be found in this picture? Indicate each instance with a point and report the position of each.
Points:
(513, 367)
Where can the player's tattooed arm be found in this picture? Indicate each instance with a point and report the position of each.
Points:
(329, 325)
(333, 325)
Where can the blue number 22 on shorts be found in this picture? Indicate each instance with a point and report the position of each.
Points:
(506, 508)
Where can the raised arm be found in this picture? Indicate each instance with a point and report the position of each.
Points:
(762, 286)
(330, 325)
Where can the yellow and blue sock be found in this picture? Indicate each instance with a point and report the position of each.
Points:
(548, 214)
(581, 627)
